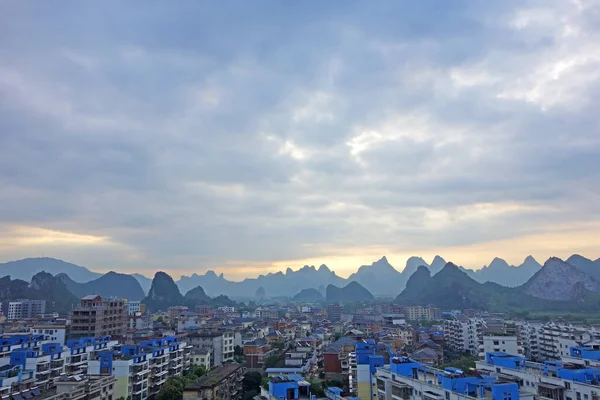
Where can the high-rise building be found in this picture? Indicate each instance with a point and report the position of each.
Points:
(334, 312)
(25, 308)
(96, 316)
(422, 313)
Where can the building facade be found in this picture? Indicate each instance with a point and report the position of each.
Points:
(96, 316)
(25, 309)
(221, 383)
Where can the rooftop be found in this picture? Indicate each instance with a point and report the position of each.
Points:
(213, 377)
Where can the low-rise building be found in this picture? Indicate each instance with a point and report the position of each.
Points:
(220, 343)
(201, 357)
(222, 383)
(255, 354)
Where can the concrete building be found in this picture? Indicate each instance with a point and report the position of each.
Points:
(81, 387)
(141, 371)
(552, 340)
(53, 333)
(573, 378)
(222, 383)
(201, 357)
(409, 380)
(133, 307)
(464, 334)
(139, 322)
(334, 312)
(501, 343)
(255, 354)
(422, 313)
(96, 317)
(290, 387)
(25, 308)
(220, 343)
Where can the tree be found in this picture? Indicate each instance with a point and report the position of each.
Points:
(264, 383)
(197, 371)
(238, 351)
(317, 387)
(251, 381)
(172, 389)
(271, 361)
(249, 395)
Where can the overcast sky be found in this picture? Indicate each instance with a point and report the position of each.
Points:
(249, 136)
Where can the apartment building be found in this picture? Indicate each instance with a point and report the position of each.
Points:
(464, 335)
(134, 307)
(500, 343)
(13, 379)
(255, 354)
(142, 370)
(96, 316)
(52, 332)
(334, 312)
(139, 321)
(552, 340)
(25, 308)
(220, 343)
(78, 387)
(572, 378)
(409, 380)
(422, 313)
(47, 363)
(201, 357)
(80, 351)
(222, 383)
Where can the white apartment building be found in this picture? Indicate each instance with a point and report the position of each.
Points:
(133, 307)
(51, 332)
(23, 309)
(201, 357)
(464, 335)
(141, 371)
(500, 343)
(552, 340)
(219, 342)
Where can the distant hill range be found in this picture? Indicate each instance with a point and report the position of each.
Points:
(164, 293)
(555, 286)
(43, 286)
(380, 278)
(352, 292)
(111, 284)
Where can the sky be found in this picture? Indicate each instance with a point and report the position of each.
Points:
(247, 137)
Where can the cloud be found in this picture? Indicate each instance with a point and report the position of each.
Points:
(208, 135)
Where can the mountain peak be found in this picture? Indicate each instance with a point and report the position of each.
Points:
(210, 273)
(498, 263)
(437, 264)
(288, 271)
(382, 262)
(324, 268)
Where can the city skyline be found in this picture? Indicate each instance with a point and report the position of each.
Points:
(252, 138)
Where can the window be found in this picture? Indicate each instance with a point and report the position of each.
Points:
(567, 385)
(578, 395)
(447, 395)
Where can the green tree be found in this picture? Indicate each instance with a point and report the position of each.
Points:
(265, 383)
(172, 389)
(249, 395)
(252, 381)
(238, 351)
(196, 372)
(317, 388)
